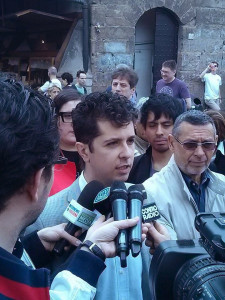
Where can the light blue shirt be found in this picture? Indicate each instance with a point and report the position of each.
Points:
(116, 283)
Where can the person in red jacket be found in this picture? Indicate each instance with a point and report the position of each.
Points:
(64, 175)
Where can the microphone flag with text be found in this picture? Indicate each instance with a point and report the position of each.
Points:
(80, 213)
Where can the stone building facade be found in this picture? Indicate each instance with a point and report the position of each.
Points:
(114, 38)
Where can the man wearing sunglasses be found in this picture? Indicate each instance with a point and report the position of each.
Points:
(186, 186)
(213, 82)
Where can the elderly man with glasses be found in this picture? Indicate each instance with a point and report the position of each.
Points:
(186, 186)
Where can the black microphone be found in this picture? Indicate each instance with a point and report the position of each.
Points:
(118, 199)
(80, 213)
(136, 196)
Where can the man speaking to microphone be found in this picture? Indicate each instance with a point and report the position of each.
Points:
(28, 150)
(104, 128)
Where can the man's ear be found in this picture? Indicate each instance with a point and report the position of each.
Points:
(33, 185)
(83, 150)
(171, 142)
(133, 90)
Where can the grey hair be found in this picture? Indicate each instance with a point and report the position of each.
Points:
(194, 117)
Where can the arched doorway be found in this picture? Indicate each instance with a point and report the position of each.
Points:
(156, 40)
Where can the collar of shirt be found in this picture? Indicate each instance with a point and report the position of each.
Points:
(82, 181)
(198, 190)
(205, 178)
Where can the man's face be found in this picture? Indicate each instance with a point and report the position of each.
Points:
(64, 82)
(122, 87)
(167, 74)
(44, 187)
(193, 162)
(213, 67)
(157, 132)
(53, 92)
(112, 153)
(81, 80)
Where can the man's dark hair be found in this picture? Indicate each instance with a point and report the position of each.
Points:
(29, 138)
(215, 62)
(194, 117)
(80, 72)
(161, 104)
(128, 74)
(65, 96)
(97, 107)
(170, 64)
(68, 77)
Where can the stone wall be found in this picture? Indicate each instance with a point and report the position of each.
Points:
(201, 37)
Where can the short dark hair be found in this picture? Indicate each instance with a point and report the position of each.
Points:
(80, 72)
(161, 104)
(29, 137)
(170, 64)
(100, 106)
(215, 62)
(128, 74)
(65, 96)
(194, 117)
(68, 77)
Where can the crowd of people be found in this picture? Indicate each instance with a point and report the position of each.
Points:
(57, 140)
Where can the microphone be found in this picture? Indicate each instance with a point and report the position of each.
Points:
(136, 196)
(80, 213)
(102, 203)
(118, 199)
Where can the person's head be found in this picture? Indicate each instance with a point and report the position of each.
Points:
(104, 128)
(168, 70)
(28, 149)
(193, 142)
(64, 103)
(81, 78)
(158, 115)
(66, 78)
(213, 66)
(219, 122)
(124, 81)
(53, 90)
(52, 71)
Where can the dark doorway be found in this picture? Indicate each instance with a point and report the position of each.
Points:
(166, 41)
(156, 40)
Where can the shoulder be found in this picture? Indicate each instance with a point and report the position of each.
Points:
(180, 82)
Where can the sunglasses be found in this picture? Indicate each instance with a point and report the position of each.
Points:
(206, 146)
(66, 116)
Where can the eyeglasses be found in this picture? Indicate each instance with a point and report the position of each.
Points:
(207, 146)
(61, 160)
(165, 72)
(66, 116)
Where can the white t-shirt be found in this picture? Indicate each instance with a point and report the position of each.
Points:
(212, 85)
(47, 84)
